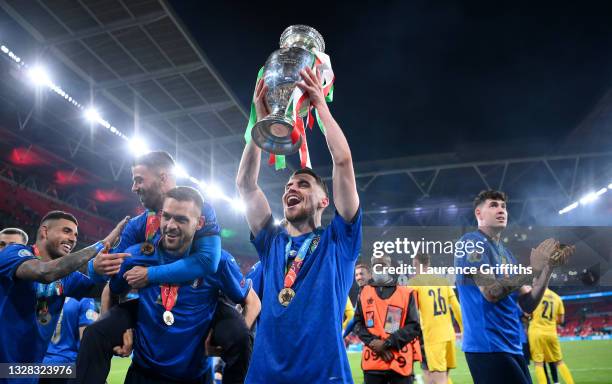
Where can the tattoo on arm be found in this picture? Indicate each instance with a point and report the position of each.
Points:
(49, 271)
(495, 289)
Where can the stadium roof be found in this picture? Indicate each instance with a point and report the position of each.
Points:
(141, 69)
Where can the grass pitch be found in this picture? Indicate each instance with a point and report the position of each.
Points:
(589, 362)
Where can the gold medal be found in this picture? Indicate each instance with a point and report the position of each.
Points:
(147, 248)
(168, 318)
(285, 296)
(44, 318)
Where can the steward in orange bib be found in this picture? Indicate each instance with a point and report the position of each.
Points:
(387, 321)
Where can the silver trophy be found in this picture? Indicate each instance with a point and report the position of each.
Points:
(281, 72)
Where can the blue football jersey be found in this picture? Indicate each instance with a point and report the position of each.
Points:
(64, 345)
(30, 310)
(487, 327)
(177, 351)
(302, 342)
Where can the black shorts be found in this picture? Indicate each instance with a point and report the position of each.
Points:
(498, 368)
(526, 352)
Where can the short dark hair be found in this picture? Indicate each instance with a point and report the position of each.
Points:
(15, 231)
(423, 258)
(155, 160)
(319, 180)
(58, 215)
(364, 266)
(489, 194)
(186, 194)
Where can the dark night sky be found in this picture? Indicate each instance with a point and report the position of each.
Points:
(429, 75)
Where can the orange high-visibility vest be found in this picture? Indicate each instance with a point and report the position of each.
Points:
(393, 311)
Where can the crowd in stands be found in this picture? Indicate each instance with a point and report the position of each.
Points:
(587, 318)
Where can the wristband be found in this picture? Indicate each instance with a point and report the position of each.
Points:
(99, 246)
(93, 275)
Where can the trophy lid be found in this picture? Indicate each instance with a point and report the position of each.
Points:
(302, 36)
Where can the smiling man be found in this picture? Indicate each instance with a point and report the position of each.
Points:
(174, 319)
(307, 269)
(34, 282)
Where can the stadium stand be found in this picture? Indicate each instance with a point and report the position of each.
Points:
(584, 318)
(23, 207)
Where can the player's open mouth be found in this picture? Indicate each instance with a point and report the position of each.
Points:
(66, 247)
(292, 200)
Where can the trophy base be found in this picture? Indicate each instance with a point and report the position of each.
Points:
(273, 135)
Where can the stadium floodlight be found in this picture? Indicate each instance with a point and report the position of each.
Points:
(92, 115)
(214, 191)
(610, 186)
(568, 208)
(180, 172)
(589, 198)
(194, 180)
(138, 146)
(601, 191)
(238, 205)
(39, 76)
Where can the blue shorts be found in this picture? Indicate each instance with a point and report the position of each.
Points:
(498, 368)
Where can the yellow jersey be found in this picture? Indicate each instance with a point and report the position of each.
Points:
(436, 298)
(349, 313)
(544, 317)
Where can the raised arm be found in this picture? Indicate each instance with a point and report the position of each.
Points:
(346, 199)
(258, 209)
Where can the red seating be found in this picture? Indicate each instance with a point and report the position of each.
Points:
(17, 199)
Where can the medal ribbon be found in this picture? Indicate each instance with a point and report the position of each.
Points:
(42, 292)
(152, 226)
(296, 266)
(169, 294)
